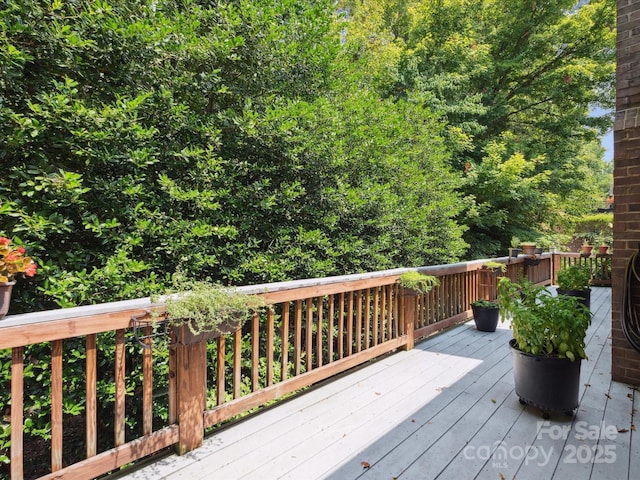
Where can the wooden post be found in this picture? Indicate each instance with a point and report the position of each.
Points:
(556, 265)
(191, 394)
(409, 316)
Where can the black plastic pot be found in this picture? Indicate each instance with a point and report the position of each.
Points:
(486, 318)
(548, 383)
(584, 296)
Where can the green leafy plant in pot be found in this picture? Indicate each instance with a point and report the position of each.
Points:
(416, 283)
(574, 281)
(486, 315)
(547, 346)
(203, 310)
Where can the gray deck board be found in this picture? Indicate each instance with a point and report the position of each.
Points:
(444, 410)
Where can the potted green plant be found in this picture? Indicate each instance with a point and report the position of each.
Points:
(205, 310)
(547, 346)
(495, 267)
(486, 315)
(416, 283)
(13, 262)
(514, 249)
(574, 280)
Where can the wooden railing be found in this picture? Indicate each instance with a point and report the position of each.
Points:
(152, 393)
(599, 264)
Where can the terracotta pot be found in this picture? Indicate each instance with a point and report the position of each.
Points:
(586, 250)
(603, 249)
(5, 297)
(528, 248)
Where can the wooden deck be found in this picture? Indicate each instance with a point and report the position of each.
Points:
(446, 410)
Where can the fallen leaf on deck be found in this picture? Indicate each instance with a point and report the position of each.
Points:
(501, 477)
(623, 430)
(633, 427)
(629, 395)
(607, 395)
(587, 384)
(493, 400)
(365, 464)
(377, 393)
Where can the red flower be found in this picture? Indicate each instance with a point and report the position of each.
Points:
(30, 270)
(4, 241)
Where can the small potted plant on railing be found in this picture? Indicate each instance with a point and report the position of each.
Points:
(528, 248)
(495, 267)
(486, 314)
(547, 346)
(574, 281)
(416, 283)
(13, 262)
(207, 310)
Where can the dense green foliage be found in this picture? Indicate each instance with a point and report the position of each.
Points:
(227, 141)
(515, 82)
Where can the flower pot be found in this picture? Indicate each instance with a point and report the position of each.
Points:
(486, 318)
(186, 336)
(548, 383)
(603, 249)
(5, 297)
(584, 296)
(586, 250)
(514, 252)
(528, 248)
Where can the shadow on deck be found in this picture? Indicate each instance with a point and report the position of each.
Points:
(446, 409)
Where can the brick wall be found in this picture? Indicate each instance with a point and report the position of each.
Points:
(626, 223)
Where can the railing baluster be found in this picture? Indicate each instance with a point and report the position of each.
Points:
(120, 377)
(220, 363)
(297, 339)
(309, 334)
(319, 331)
(330, 328)
(376, 313)
(350, 320)
(367, 318)
(285, 341)
(341, 326)
(91, 400)
(147, 383)
(255, 353)
(237, 363)
(269, 346)
(17, 412)
(358, 331)
(56, 405)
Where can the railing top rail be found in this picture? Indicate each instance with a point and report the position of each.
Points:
(76, 321)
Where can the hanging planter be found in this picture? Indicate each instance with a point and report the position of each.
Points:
(5, 297)
(202, 310)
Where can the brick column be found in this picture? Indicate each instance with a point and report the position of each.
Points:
(626, 218)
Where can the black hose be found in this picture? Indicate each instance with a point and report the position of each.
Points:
(630, 321)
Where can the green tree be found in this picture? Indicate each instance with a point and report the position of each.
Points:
(521, 75)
